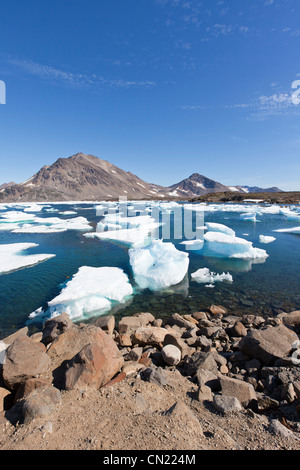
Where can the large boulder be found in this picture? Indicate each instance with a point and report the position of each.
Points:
(268, 344)
(54, 327)
(92, 367)
(10, 339)
(24, 360)
(70, 343)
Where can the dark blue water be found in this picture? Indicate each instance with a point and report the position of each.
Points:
(265, 289)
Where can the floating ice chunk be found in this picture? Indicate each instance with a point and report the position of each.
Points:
(134, 237)
(91, 291)
(194, 245)
(129, 222)
(34, 208)
(266, 239)
(12, 257)
(31, 228)
(214, 227)
(222, 245)
(68, 213)
(205, 276)
(54, 224)
(288, 230)
(293, 216)
(158, 266)
(248, 216)
(17, 216)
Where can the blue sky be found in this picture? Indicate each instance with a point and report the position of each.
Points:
(162, 88)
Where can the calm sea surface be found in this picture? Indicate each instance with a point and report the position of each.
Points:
(266, 288)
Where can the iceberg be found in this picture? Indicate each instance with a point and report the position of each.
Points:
(205, 276)
(158, 266)
(91, 291)
(266, 239)
(133, 237)
(214, 227)
(222, 245)
(17, 216)
(288, 230)
(248, 216)
(13, 258)
(54, 224)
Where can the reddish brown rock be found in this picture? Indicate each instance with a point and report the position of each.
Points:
(27, 387)
(24, 360)
(106, 323)
(93, 366)
(6, 400)
(54, 327)
(149, 335)
(70, 343)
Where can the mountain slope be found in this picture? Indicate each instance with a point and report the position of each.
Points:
(197, 185)
(81, 177)
(86, 177)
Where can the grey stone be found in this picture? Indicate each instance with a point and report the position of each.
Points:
(200, 360)
(171, 354)
(226, 404)
(39, 403)
(239, 389)
(156, 376)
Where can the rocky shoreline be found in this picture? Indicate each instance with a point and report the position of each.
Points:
(210, 380)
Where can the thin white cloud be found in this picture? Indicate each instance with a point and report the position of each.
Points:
(75, 80)
(261, 109)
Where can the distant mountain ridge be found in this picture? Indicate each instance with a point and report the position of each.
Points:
(86, 177)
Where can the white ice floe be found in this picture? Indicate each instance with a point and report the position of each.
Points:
(266, 239)
(251, 217)
(91, 291)
(134, 237)
(17, 217)
(68, 213)
(54, 224)
(222, 245)
(205, 276)
(158, 266)
(12, 257)
(214, 227)
(289, 230)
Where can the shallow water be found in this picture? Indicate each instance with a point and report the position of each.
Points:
(265, 288)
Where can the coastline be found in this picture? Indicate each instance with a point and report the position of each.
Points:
(204, 381)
